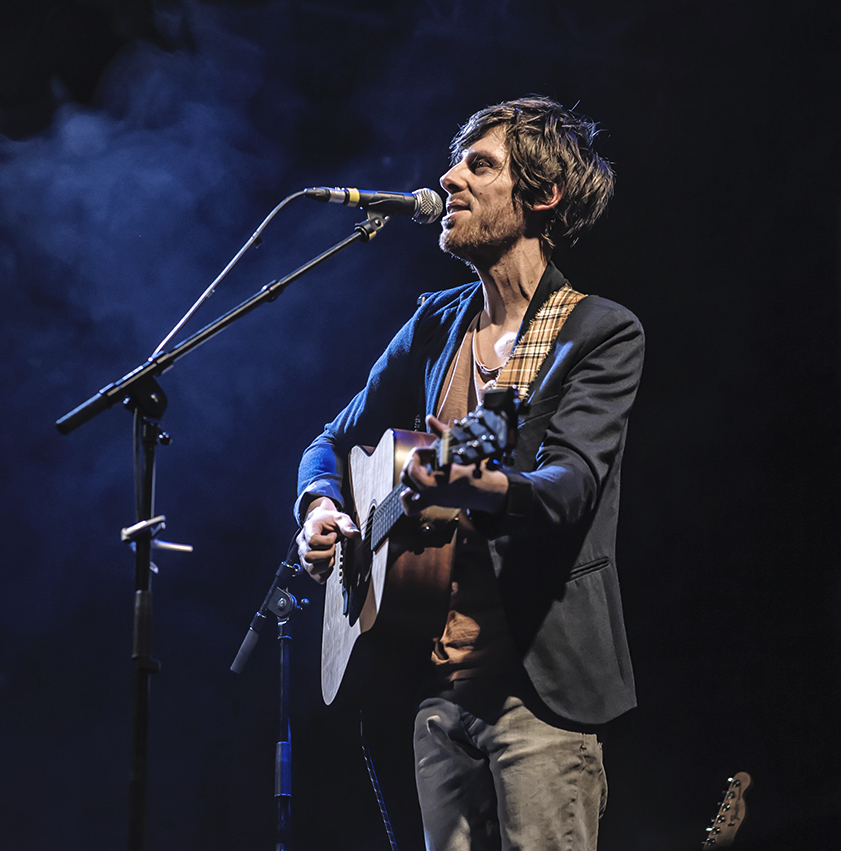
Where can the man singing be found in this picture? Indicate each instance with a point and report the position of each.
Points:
(533, 658)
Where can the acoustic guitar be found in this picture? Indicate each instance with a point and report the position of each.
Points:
(398, 570)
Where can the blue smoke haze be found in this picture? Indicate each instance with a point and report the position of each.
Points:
(117, 215)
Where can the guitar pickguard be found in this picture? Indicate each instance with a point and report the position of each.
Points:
(355, 573)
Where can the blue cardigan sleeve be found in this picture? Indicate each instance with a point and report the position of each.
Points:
(388, 400)
(394, 396)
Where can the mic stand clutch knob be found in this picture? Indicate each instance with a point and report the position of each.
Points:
(278, 602)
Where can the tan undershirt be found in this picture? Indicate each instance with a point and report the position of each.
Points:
(475, 640)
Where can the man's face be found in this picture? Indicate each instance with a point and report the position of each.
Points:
(482, 220)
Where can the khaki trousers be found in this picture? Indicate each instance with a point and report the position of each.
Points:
(492, 776)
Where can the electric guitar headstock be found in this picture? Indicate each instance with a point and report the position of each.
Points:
(731, 813)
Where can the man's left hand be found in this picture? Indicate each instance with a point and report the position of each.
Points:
(463, 489)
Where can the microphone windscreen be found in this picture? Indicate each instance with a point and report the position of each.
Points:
(429, 206)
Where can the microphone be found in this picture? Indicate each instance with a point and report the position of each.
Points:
(423, 205)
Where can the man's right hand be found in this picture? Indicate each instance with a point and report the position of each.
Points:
(323, 526)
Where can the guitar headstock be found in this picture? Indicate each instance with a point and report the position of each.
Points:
(488, 432)
(731, 813)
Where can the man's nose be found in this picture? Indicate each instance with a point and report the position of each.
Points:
(453, 180)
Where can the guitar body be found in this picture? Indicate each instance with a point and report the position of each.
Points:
(401, 583)
(393, 582)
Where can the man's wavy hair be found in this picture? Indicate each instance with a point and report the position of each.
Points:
(548, 145)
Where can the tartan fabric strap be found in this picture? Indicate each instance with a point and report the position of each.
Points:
(534, 345)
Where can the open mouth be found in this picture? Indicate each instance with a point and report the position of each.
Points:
(455, 207)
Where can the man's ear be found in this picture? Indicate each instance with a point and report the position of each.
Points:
(552, 201)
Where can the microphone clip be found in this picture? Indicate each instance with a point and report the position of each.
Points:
(374, 223)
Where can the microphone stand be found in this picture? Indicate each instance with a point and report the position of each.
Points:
(283, 605)
(147, 403)
(142, 395)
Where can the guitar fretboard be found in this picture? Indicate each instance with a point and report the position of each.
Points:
(386, 514)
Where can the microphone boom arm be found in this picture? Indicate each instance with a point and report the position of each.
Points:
(129, 384)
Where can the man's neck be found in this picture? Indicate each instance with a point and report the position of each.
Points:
(510, 282)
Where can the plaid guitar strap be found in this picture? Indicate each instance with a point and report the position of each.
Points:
(534, 345)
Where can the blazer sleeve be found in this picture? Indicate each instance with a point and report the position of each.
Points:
(572, 437)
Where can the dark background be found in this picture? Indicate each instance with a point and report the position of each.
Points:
(142, 143)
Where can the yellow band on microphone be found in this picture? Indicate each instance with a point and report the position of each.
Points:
(353, 196)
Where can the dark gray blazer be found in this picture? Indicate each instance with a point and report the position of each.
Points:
(554, 546)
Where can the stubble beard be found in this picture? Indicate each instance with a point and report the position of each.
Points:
(484, 241)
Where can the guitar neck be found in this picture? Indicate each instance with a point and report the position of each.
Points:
(484, 434)
(390, 509)
(384, 518)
